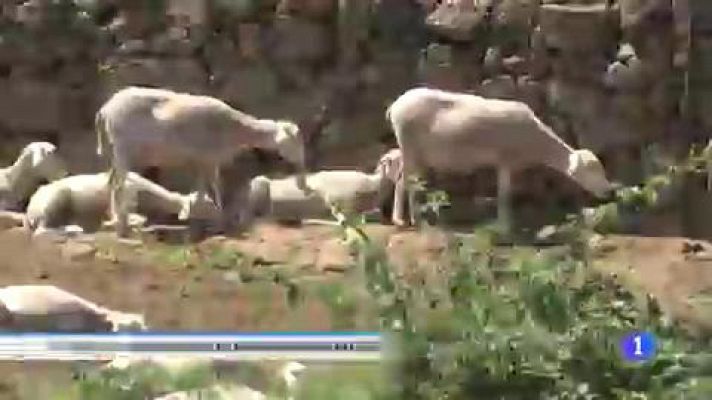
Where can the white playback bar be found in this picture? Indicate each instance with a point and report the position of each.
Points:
(250, 347)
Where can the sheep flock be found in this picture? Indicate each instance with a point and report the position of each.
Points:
(140, 127)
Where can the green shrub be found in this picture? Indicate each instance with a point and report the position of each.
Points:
(524, 325)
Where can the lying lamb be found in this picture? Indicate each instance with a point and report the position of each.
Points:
(84, 200)
(46, 308)
(147, 127)
(451, 132)
(355, 191)
(37, 162)
(286, 374)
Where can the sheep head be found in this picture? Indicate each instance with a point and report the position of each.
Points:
(390, 165)
(390, 169)
(45, 161)
(586, 169)
(289, 143)
(198, 206)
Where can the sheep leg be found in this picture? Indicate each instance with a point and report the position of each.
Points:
(412, 203)
(504, 197)
(122, 217)
(216, 187)
(117, 184)
(402, 189)
(398, 202)
(247, 208)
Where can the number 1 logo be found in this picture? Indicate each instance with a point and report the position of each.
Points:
(638, 346)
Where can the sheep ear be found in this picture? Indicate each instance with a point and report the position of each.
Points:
(184, 212)
(37, 154)
(574, 161)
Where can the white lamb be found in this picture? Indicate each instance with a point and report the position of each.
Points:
(84, 200)
(146, 127)
(451, 132)
(46, 308)
(286, 374)
(37, 162)
(354, 191)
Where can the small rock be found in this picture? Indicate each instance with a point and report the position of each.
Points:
(232, 276)
(130, 242)
(73, 251)
(546, 232)
(690, 247)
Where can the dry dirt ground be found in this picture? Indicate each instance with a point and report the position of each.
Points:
(175, 293)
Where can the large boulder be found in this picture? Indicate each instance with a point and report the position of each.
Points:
(578, 28)
(533, 93)
(135, 21)
(181, 74)
(456, 20)
(596, 121)
(295, 40)
(512, 21)
(297, 48)
(626, 74)
(314, 9)
(31, 105)
(249, 87)
(188, 12)
(499, 87)
(249, 41)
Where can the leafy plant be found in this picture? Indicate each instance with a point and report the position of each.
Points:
(523, 325)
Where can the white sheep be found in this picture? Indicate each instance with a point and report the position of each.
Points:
(217, 392)
(354, 191)
(451, 132)
(37, 162)
(285, 372)
(46, 308)
(143, 127)
(84, 200)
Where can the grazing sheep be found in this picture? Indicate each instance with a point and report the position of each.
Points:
(46, 308)
(451, 132)
(37, 162)
(355, 191)
(147, 127)
(84, 200)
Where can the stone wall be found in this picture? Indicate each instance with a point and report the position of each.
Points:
(608, 75)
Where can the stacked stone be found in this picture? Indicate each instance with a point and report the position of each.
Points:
(48, 76)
